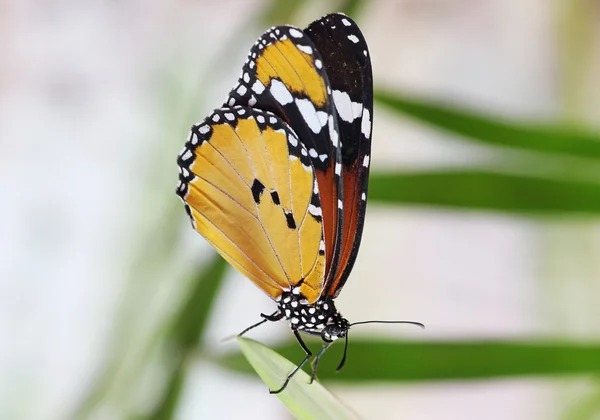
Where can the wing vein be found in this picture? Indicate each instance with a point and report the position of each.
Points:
(258, 212)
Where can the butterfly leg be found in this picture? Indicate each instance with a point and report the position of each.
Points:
(306, 359)
(275, 316)
(316, 362)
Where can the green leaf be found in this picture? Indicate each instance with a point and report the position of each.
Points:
(189, 324)
(167, 406)
(303, 400)
(379, 360)
(483, 190)
(494, 131)
(187, 331)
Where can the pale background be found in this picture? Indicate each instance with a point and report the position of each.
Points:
(95, 101)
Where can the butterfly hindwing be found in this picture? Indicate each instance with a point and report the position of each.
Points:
(284, 73)
(346, 59)
(249, 188)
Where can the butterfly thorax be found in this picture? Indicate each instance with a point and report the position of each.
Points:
(320, 317)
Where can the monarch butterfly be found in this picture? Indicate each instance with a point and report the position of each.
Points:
(276, 180)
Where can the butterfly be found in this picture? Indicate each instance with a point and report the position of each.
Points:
(276, 180)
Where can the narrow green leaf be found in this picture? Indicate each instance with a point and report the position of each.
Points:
(303, 400)
(494, 131)
(381, 360)
(167, 406)
(193, 315)
(491, 191)
(187, 331)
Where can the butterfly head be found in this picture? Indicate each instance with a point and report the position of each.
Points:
(337, 327)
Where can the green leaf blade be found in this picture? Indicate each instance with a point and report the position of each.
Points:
(487, 191)
(379, 360)
(559, 140)
(303, 400)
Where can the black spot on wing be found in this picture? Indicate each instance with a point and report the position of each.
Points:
(257, 189)
(275, 198)
(291, 222)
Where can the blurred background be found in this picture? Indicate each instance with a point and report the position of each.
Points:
(483, 218)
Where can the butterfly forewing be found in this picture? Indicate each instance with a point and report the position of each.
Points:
(250, 190)
(347, 62)
(284, 73)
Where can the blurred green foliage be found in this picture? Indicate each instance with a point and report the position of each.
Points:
(537, 137)
(378, 360)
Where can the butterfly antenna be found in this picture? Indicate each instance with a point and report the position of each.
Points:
(418, 324)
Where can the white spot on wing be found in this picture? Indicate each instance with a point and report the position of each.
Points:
(305, 48)
(353, 38)
(346, 22)
(366, 161)
(280, 92)
(365, 126)
(260, 119)
(322, 117)
(293, 141)
(204, 129)
(357, 109)
(363, 197)
(347, 110)
(313, 153)
(295, 33)
(229, 116)
(338, 168)
(333, 134)
(242, 90)
(307, 109)
(318, 64)
(314, 210)
(216, 118)
(258, 87)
